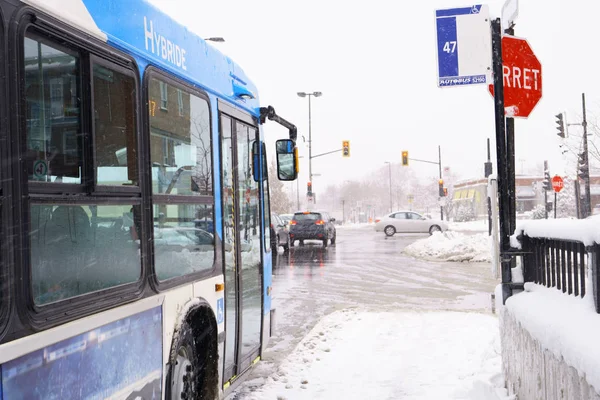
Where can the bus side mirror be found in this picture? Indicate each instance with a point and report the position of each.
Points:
(287, 160)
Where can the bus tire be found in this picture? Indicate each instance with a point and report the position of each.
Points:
(193, 371)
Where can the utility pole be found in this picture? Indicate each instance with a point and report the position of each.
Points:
(583, 169)
(546, 173)
(577, 198)
(298, 194)
(304, 94)
(310, 177)
(587, 209)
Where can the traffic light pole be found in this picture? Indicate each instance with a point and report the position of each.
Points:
(439, 164)
(324, 154)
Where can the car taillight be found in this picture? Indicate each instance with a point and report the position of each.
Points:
(271, 226)
(377, 220)
(292, 222)
(320, 222)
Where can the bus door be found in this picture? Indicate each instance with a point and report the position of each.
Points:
(241, 247)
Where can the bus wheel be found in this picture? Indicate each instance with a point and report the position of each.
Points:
(193, 367)
(182, 375)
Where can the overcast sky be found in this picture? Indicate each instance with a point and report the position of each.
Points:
(375, 62)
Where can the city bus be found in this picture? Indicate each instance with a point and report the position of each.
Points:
(135, 254)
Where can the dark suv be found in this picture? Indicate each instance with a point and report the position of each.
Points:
(312, 225)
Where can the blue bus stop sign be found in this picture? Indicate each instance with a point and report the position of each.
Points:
(464, 46)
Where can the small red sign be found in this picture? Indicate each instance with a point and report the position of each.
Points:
(557, 183)
(522, 77)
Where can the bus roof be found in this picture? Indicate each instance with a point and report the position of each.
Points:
(152, 37)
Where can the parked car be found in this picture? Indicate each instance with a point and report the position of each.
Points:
(280, 235)
(312, 225)
(409, 222)
(286, 217)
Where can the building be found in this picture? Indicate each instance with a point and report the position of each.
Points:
(469, 200)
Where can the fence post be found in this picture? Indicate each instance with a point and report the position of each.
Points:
(528, 264)
(593, 253)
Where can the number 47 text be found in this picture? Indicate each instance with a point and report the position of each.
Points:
(450, 47)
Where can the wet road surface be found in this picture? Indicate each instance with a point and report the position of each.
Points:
(367, 270)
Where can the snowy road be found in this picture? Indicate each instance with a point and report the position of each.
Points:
(367, 271)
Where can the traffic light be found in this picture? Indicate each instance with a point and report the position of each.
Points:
(309, 187)
(560, 125)
(445, 192)
(345, 148)
(547, 184)
(581, 166)
(405, 158)
(442, 192)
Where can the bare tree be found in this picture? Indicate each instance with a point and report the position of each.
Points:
(280, 202)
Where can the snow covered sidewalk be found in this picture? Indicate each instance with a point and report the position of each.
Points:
(452, 246)
(353, 354)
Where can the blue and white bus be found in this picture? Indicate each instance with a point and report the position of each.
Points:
(135, 256)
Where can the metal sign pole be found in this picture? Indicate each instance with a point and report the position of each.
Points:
(510, 165)
(501, 156)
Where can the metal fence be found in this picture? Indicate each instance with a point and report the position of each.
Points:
(562, 264)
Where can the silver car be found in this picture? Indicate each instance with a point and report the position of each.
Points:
(409, 222)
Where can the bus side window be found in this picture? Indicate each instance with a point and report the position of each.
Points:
(71, 256)
(114, 127)
(53, 113)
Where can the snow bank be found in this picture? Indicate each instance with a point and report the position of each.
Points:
(353, 354)
(566, 325)
(470, 226)
(582, 230)
(452, 246)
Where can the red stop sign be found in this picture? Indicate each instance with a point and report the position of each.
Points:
(557, 183)
(522, 77)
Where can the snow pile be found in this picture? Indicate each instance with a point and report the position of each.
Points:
(408, 355)
(452, 246)
(480, 225)
(566, 325)
(582, 230)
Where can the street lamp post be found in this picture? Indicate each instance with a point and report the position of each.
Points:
(390, 170)
(304, 94)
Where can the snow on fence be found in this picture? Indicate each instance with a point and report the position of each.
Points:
(561, 254)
